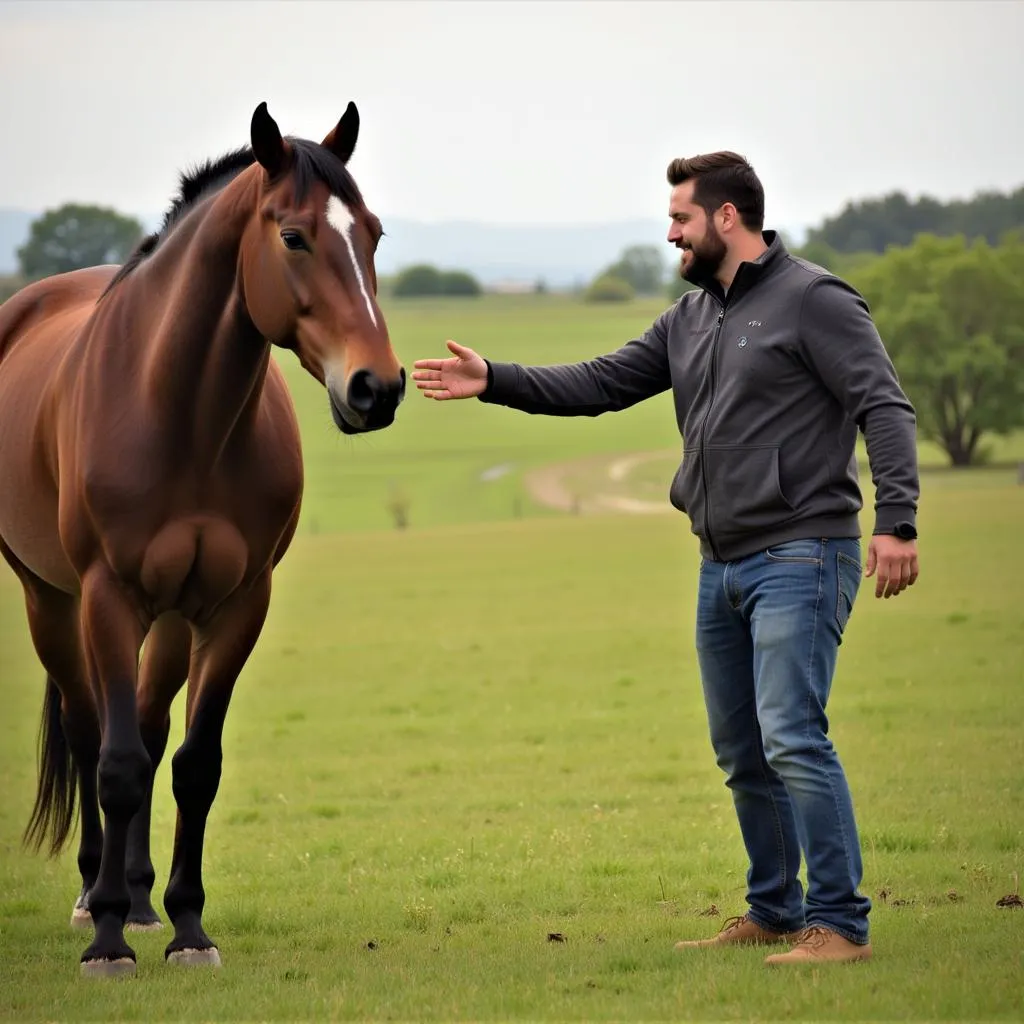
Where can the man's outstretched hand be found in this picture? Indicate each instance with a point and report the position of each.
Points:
(463, 376)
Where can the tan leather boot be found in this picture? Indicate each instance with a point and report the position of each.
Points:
(817, 945)
(740, 931)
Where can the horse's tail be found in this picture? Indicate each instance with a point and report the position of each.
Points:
(53, 815)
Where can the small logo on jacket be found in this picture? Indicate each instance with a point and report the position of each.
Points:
(743, 342)
(754, 323)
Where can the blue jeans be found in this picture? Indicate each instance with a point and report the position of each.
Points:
(768, 631)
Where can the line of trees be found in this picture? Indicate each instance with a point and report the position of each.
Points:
(872, 225)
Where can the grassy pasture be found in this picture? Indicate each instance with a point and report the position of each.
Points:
(457, 740)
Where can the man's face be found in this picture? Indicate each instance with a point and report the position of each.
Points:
(695, 235)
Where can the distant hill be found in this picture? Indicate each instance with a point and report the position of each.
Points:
(562, 256)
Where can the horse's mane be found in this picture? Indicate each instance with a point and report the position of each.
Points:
(310, 162)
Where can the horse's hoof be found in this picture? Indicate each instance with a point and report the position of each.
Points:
(144, 926)
(120, 968)
(81, 918)
(195, 957)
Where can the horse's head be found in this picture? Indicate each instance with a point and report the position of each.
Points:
(308, 273)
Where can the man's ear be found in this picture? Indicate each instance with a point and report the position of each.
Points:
(728, 216)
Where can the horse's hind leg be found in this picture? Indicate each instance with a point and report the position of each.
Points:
(221, 651)
(165, 657)
(70, 718)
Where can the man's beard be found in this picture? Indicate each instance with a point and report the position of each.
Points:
(706, 258)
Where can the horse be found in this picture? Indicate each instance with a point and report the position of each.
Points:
(152, 481)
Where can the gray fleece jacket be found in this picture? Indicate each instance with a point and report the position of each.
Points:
(771, 383)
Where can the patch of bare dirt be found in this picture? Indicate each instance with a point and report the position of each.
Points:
(595, 484)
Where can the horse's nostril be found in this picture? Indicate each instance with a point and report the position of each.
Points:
(362, 391)
(369, 396)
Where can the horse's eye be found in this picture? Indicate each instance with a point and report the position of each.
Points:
(294, 241)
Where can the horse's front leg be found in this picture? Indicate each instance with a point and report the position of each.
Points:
(165, 659)
(112, 631)
(220, 651)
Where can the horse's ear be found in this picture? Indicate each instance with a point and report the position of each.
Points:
(267, 144)
(341, 139)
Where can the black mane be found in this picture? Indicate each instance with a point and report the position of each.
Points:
(311, 162)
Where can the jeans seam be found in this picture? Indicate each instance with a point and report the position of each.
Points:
(842, 556)
(818, 753)
(780, 844)
(728, 585)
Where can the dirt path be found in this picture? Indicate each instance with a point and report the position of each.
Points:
(598, 483)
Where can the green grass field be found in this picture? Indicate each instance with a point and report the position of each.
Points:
(456, 740)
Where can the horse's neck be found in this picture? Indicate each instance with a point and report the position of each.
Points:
(206, 363)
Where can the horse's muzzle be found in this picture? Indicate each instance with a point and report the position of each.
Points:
(368, 402)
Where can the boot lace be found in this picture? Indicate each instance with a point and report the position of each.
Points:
(815, 936)
(732, 923)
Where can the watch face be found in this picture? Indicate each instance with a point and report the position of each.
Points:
(905, 531)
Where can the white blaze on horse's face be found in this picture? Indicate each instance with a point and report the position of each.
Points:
(339, 216)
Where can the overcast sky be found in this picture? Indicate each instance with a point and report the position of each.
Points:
(525, 112)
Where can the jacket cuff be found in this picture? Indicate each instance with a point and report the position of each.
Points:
(887, 516)
(501, 382)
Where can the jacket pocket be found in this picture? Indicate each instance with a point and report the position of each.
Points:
(687, 490)
(744, 488)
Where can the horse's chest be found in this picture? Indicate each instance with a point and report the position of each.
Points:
(187, 540)
(193, 564)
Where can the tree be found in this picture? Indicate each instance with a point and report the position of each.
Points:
(840, 263)
(422, 279)
(642, 267)
(678, 287)
(9, 284)
(952, 316)
(75, 236)
(458, 282)
(819, 253)
(608, 288)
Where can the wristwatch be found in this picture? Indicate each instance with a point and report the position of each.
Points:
(905, 531)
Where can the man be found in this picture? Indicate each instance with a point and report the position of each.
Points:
(774, 365)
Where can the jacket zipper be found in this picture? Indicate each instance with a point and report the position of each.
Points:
(703, 437)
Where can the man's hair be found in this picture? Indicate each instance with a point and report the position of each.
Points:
(722, 177)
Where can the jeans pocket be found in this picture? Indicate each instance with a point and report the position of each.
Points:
(848, 573)
(796, 551)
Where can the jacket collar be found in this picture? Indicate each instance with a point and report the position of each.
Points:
(750, 272)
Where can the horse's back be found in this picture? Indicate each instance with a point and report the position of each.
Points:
(57, 300)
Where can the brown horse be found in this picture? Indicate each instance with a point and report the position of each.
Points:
(152, 475)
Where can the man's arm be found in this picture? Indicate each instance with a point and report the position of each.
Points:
(636, 371)
(841, 343)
